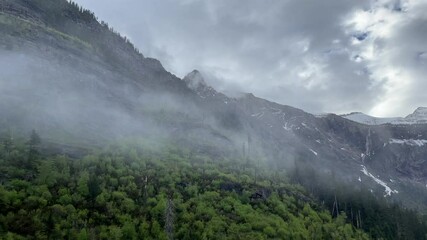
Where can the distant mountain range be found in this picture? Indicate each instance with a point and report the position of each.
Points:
(418, 117)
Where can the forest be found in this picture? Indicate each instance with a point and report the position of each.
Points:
(145, 189)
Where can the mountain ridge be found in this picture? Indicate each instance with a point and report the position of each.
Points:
(419, 116)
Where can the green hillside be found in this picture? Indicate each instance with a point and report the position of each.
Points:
(143, 189)
(139, 190)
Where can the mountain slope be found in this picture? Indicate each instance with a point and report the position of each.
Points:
(388, 159)
(87, 85)
(156, 194)
(78, 83)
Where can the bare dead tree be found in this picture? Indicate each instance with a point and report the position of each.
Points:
(169, 218)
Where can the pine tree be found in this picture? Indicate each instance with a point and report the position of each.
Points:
(33, 153)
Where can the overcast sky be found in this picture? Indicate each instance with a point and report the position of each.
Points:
(322, 56)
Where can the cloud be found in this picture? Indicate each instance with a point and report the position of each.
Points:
(391, 53)
(322, 56)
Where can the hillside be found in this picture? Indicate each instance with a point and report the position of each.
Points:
(86, 91)
(145, 189)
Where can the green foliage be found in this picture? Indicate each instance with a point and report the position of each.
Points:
(147, 193)
(108, 197)
(360, 207)
(65, 22)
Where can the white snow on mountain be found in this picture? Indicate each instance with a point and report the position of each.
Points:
(387, 189)
(418, 117)
(314, 152)
(410, 142)
(369, 120)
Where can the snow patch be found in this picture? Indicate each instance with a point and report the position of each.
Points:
(418, 117)
(314, 152)
(368, 120)
(258, 115)
(388, 190)
(410, 142)
(286, 127)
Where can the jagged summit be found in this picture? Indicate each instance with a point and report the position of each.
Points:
(420, 111)
(418, 116)
(195, 80)
(249, 95)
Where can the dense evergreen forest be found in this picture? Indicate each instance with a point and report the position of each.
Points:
(142, 189)
(375, 215)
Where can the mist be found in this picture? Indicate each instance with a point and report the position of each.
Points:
(99, 141)
(71, 100)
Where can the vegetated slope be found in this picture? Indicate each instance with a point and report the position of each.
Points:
(155, 190)
(86, 84)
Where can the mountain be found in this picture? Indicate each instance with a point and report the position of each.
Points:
(82, 87)
(388, 159)
(369, 120)
(419, 116)
(99, 87)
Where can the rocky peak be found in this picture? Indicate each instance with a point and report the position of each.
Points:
(418, 116)
(195, 80)
(249, 95)
(420, 111)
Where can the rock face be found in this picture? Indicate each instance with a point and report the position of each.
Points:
(388, 158)
(419, 116)
(71, 78)
(195, 81)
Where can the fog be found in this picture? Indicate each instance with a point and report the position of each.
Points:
(59, 98)
(91, 88)
(71, 100)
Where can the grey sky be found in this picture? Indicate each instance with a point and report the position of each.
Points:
(321, 56)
